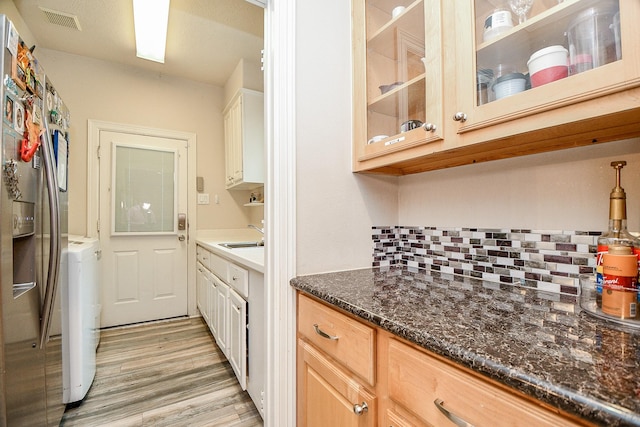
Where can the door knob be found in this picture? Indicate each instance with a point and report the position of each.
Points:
(181, 237)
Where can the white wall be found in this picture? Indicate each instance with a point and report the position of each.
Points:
(106, 91)
(247, 75)
(565, 190)
(335, 208)
(8, 8)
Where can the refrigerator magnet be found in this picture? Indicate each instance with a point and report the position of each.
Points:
(18, 117)
(36, 115)
(12, 39)
(39, 89)
(49, 101)
(17, 74)
(8, 110)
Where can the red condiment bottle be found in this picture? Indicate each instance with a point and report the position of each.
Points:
(617, 234)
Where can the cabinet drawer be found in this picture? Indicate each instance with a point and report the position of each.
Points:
(239, 279)
(218, 266)
(203, 256)
(393, 419)
(346, 340)
(416, 380)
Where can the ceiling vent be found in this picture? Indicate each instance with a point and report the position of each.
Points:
(62, 19)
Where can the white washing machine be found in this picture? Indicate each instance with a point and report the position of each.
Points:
(80, 318)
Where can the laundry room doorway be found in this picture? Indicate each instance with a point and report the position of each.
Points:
(143, 224)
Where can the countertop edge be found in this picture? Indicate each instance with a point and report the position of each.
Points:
(244, 256)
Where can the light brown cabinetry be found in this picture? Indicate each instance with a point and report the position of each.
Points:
(597, 105)
(411, 386)
(339, 336)
(331, 395)
(335, 352)
(397, 79)
(392, 419)
(436, 392)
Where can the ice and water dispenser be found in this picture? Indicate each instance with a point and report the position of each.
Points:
(21, 180)
(24, 247)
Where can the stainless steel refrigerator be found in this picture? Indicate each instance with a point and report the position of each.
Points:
(33, 234)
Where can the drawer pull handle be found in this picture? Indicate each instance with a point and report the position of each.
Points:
(360, 409)
(452, 417)
(323, 334)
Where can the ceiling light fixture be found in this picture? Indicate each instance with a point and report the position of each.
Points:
(151, 18)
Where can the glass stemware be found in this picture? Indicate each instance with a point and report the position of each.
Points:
(521, 8)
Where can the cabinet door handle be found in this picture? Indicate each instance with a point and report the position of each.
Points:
(460, 117)
(452, 417)
(429, 127)
(360, 409)
(323, 334)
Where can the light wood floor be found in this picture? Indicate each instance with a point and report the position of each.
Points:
(163, 374)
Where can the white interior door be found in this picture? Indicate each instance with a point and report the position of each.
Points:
(142, 217)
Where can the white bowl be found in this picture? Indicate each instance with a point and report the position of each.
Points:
(377, 138)
(509, 84)
(397, 11)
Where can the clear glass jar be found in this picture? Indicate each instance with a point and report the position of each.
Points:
(498, 22)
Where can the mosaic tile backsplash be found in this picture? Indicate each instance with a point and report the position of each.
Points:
(547, 260)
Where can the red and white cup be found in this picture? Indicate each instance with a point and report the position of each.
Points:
(548, 65)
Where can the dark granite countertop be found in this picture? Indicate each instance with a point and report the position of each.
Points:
(539, 343)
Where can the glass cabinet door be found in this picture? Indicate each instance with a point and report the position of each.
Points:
(397, 75)
(530, 56)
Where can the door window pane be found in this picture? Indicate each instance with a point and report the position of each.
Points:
(144, 195)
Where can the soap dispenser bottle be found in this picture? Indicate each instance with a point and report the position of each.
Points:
(617, 233)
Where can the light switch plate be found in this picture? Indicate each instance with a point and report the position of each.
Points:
(203, 198)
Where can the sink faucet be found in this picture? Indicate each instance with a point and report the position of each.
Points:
(261, 242)
(256, 228)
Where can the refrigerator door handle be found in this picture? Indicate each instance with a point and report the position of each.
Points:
(54, 239)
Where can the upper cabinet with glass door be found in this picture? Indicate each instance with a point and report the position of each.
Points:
(398, 102)
(544, 70)
(512, 77)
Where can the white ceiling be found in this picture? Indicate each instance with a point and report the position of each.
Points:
(205, 41)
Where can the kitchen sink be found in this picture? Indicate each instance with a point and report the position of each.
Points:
(236, 245)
